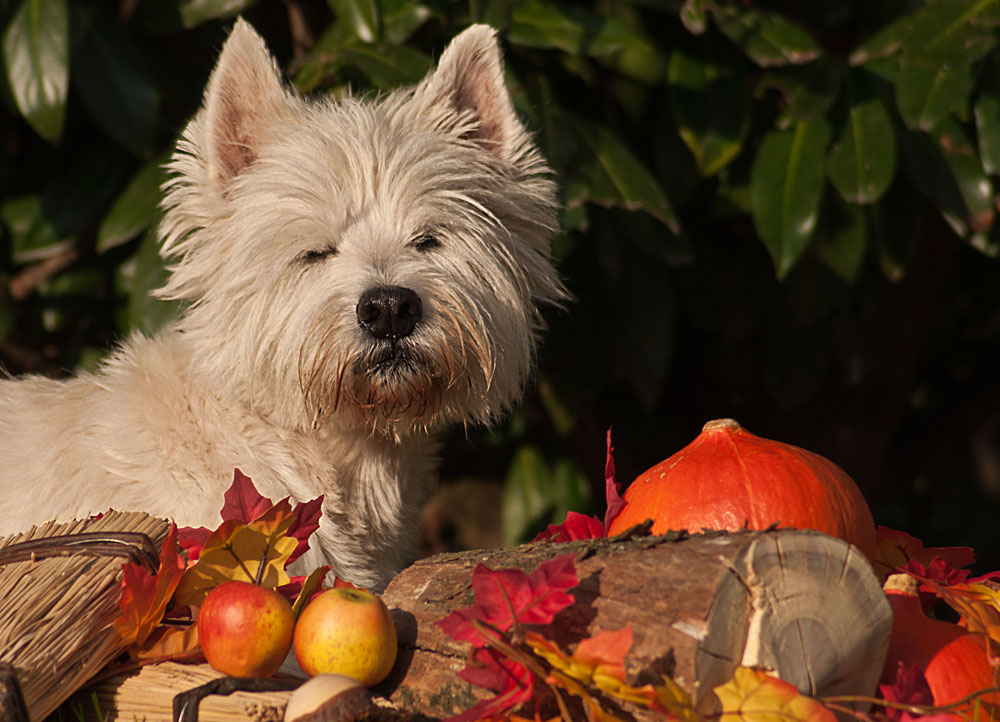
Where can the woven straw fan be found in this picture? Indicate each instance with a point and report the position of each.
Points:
(56, 614)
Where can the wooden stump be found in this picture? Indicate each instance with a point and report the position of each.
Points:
(800, 603)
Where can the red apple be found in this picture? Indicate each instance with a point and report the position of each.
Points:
(346, 631)
(245, 629)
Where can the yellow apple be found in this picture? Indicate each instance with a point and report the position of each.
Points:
(346, 631)
(245, 629)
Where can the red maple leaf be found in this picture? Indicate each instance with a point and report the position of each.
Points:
(512, 681)
(897, 548)
(910, 688)
(307, 515)
(242, 500)
(614, 500)
(506, 596)
(577, 526)
(243, 504)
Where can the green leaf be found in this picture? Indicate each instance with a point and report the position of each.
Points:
(926, 96)
(386, 65)
(135, 209)
(400, 18)
(786, 189)
(895, 228)
(540, 24)
(974, 185)
(931, 173)
(570, 490)
(113, 81)
(862, 161)
(616, 178)
(952, 32)
(886, 42)
(709, 99)
(694, 15)
(36, 54)
(987, 114)
(809, 90)
(197, 12)
(527, 495)
(33, 237)
(361, 16)
(767, 38)
(136, 279)
(842, 237)
(940, 32)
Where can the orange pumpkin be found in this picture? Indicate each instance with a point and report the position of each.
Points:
(728, 478)
(954, 661)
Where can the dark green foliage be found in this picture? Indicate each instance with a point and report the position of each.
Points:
(779, 212)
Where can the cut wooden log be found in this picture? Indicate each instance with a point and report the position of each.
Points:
(800, 603)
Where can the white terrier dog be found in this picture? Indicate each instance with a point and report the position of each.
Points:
(357, 274)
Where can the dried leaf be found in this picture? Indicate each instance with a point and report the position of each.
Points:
(754, 696)
(897, 548)
(506, 596)
(145, 596)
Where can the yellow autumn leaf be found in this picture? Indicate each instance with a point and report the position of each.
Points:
(236, 552)
(309, 587)
(752, 695)
(675, 702)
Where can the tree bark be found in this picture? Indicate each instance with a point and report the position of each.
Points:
(798, 602)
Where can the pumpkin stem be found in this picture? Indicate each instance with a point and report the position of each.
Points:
(729, 424)
(902, 583)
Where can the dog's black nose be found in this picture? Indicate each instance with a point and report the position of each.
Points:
(389, 312)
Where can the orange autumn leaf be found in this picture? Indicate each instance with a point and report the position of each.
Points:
(752, 695)
(145, 596)
(605, 652)
(170, 643)
(597, 660)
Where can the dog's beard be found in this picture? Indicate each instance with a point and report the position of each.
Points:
(387, 385)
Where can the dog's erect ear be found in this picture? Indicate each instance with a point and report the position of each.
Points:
(469, 78)
(244, 99)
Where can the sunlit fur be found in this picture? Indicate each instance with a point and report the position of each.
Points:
(280, 212)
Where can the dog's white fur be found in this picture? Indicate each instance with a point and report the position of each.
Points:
(279, 214)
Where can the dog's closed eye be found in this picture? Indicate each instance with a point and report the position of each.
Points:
(425, 242)
(315, 255)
